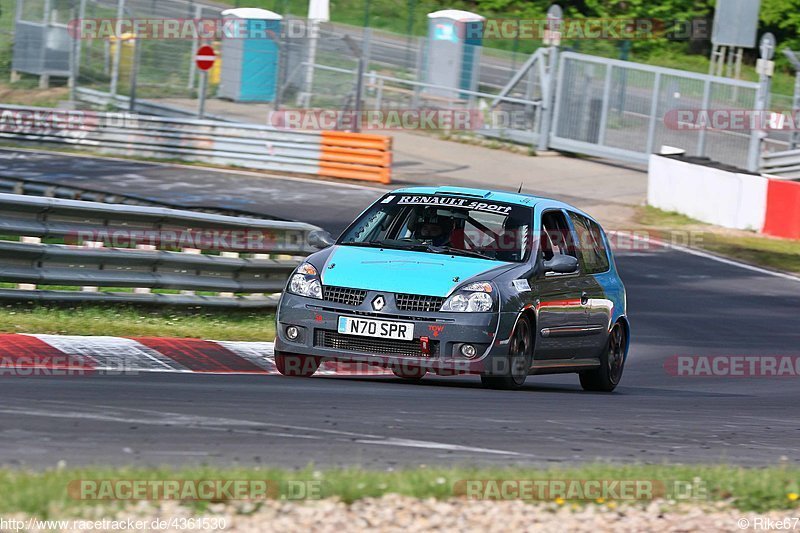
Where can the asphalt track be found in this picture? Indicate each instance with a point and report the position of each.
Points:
(680, 304)
(192, 187)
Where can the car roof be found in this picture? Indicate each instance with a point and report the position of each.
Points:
(528, 200)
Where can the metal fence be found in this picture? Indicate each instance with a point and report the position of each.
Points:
(621, 109)
(78, 251)
(588, 104)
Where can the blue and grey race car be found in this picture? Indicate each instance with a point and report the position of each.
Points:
(456, 280)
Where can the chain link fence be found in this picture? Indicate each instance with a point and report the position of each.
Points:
(616, 107)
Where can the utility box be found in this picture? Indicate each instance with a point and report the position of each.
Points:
(453, 52)
(250, 51)
(42, 46)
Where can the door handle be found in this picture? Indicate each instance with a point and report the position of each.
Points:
(584, 298)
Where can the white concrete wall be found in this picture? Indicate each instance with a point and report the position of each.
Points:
(708, 194)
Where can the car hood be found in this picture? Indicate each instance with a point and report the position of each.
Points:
(403, 271)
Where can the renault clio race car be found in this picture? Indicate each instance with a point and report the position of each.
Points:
(456, 280)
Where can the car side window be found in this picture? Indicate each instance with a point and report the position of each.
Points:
(556, 237)
(591, 245)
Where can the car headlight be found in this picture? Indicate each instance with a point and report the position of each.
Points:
(477, 297)
(305, 282)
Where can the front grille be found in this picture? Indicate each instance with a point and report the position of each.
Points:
(418, 302)
(324, 338)
(344, 295)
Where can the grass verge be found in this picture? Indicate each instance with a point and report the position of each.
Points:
(768, 252)
(132, 321)
(46, 493)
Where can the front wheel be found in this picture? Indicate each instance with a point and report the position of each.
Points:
(300, 366)
(607, 376)
(518, 362)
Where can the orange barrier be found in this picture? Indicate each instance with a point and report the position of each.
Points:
(783, 209)
(356, 156)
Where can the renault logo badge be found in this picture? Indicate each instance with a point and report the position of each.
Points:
(378, 303)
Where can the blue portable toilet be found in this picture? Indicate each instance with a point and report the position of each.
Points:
(250, 53)
(455, 39)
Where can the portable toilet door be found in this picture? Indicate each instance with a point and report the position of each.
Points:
(454, 41)
(250, 54)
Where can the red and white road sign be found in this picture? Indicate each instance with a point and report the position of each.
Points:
(205, 57)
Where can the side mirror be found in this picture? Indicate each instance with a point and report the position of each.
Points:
(320, 239)
(561, 264)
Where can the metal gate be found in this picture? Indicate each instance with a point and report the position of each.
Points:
(618, 109)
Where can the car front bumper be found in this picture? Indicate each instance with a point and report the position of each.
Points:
(317, 322)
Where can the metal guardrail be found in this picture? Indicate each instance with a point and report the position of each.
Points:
(783, 164)
(144, 107)
(93, 247)
(253, 146)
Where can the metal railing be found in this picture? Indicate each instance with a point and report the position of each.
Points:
(220, 143)
(76, 251)
(783, 164)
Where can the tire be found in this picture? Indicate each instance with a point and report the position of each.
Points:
(607, 376)
(410, 374)
(518, 363)
(299, 366)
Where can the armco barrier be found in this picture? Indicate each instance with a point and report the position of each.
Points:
(154, 254)
(783, 209)
(331, 154)
(724, 197)
(783, 164)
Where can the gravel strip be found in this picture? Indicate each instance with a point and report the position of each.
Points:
(402, 514)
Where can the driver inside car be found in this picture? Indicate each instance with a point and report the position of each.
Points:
(433, 229)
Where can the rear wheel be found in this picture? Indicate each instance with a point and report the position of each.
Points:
(301, 366)
(607, 376)
(516, 366)
(410, 374)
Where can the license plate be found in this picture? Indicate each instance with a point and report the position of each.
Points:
(383, 329)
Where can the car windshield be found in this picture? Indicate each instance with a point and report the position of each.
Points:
(444, 224)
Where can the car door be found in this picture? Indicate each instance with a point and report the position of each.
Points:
(595, 265)
(561, 317)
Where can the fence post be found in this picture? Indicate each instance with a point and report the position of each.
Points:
(28, 240)
(198, 14)
(601, 135)
(764, 68)
(363, 58)
(76, 51)
(549, 98)
(44, 79)
(701, 137)
(112, 90)
(553, 40)
(137, 55)
(304, 98)
(653, 118)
